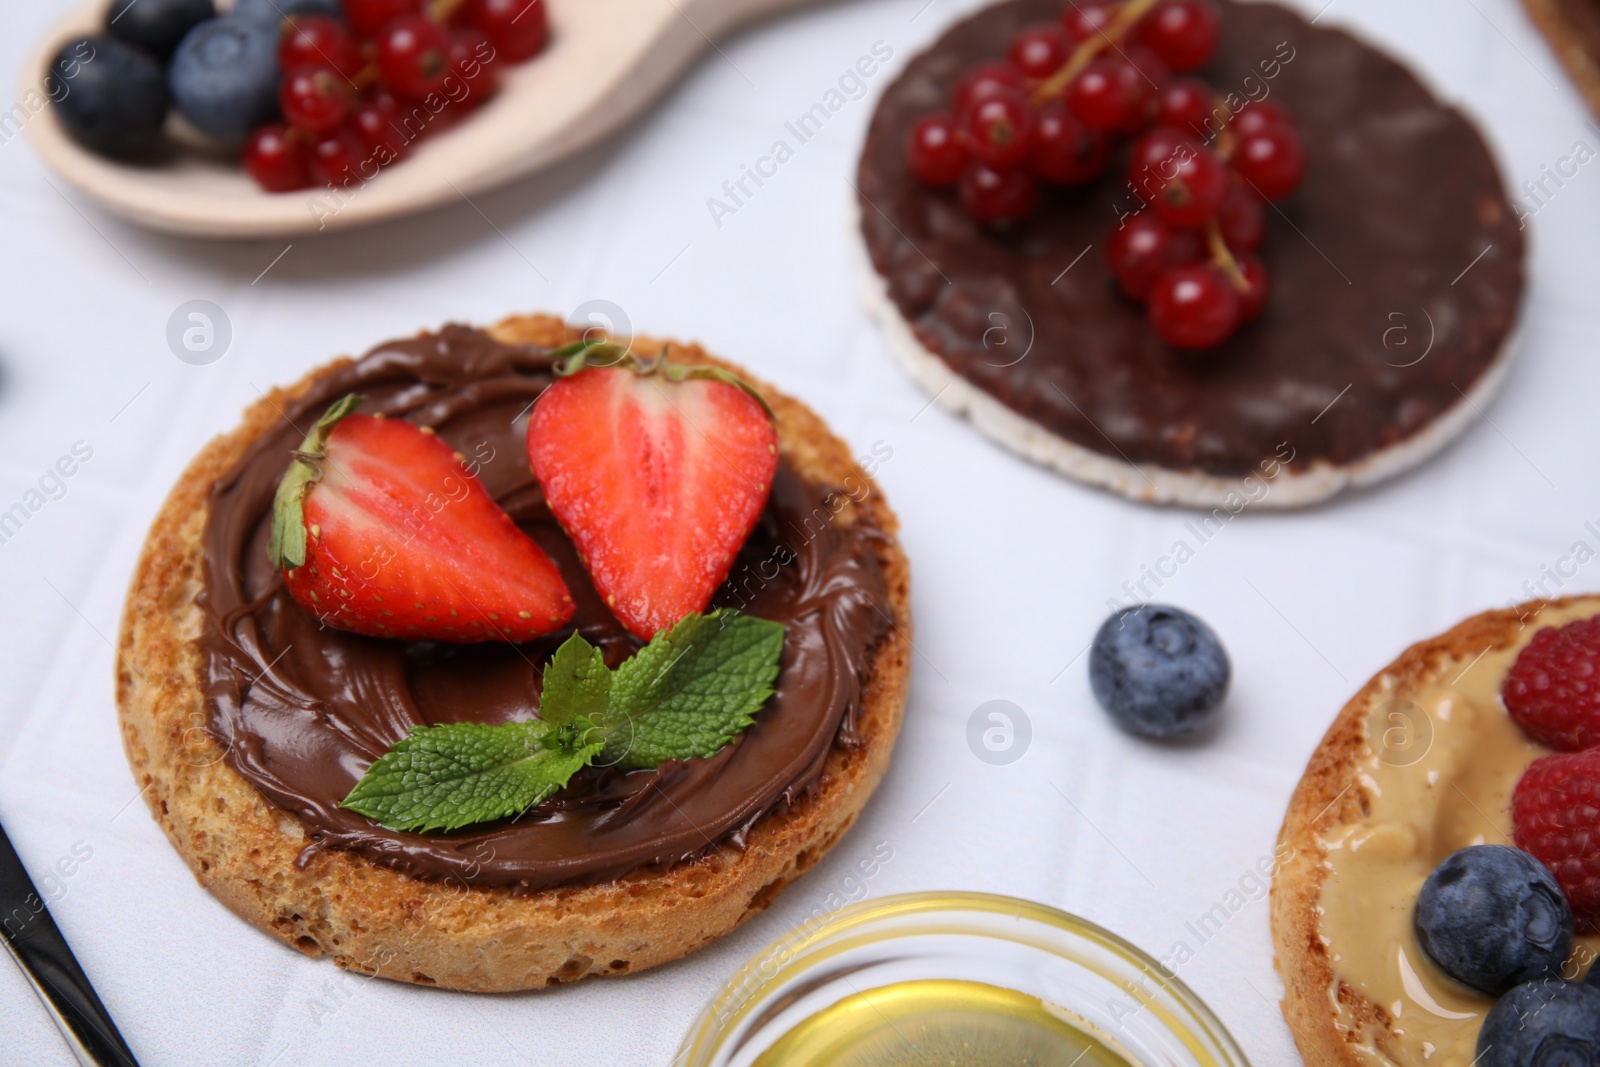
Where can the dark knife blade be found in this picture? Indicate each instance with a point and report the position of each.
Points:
(35, 942)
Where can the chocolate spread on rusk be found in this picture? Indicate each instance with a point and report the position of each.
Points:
(1416, 812)
(302, 710)
(1368, 259)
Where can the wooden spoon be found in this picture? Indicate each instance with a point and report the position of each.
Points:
(606, 61)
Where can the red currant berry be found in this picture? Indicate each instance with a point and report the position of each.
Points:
(1039, 51)
(413, 56)
(1259, 118)
(1153, 160)
(1243, 219)
(1066, 151)
(1000, 129)
(1185, 104)
(1193, 306)
(276, 158)
(376, 124)
(1182, 32)
(1153, 67)
(1253, 299)
(318, 41)
(997, 197)
(1196, 194)
(366, 17)
(337, 160)
(1144, 246)
(936, 152)
(385, 100)
(314, 99)
(1144, 74)
(1184, 182)
(982, 82)
(1084, 19)
(517, 28)
(1272, 161)
(473, 60)
(1101, 96)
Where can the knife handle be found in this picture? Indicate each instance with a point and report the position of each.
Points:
(35, 942)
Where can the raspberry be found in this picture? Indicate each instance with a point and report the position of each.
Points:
(1555, 810)
(1553, 689)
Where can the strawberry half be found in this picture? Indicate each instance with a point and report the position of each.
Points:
(657, 471)
(379, 529)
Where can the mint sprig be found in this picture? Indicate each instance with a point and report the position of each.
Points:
(691, 690)
(685, 695)
(577, 683)
(450, 776)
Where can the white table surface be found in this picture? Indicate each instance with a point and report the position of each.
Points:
(1013, 566)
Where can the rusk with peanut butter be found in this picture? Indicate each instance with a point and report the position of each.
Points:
(1420, 763)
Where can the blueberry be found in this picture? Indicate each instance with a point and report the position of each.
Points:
(224, 76)
(157, 25)
(1492, 916)
(110, 96)
(272, 12)
(1549, 1023)
(1159, 671)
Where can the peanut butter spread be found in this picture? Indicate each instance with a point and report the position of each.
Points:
(1437, 777)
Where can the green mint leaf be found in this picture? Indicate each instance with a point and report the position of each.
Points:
(450, 776)
(692, 689)
(686, 694)
(577, 684)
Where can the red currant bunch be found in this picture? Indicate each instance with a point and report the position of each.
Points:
(357, 91)
(1191, 256)
(1050, 113)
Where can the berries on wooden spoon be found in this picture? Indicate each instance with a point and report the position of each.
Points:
(224, 77)
(657, 471)
(118, 99)
(314, 99)
(413, 56)
(277, 161)
(516, 28)
(379, 529)
(320, 41)
(156, 26)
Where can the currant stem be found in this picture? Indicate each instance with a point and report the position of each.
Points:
(1222, 256)
(442, 10)
(365, 78)
(1227, 140)
(1127, 15)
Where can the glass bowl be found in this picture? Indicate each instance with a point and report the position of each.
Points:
(1083, 974)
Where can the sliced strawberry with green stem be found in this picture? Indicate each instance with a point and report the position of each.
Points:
(658, 472)
(379, 529)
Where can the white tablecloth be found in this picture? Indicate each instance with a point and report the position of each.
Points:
(1013, 566)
